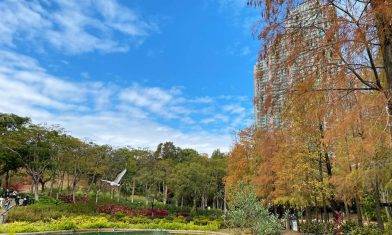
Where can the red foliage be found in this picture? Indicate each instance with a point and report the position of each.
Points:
(17, 186)
(155, 213)
(113, 209)
(78, 199)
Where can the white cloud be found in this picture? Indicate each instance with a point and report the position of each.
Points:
(122, 130)
(156, 100)
(203, 100)
(72, 26)
(138, 116)
(234, 108)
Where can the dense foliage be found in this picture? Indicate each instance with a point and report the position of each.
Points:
(327, 88)
(60, 165)
(100, 221)
(247, 212)
(59, 215)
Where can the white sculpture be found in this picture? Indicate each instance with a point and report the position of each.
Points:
(116, 182)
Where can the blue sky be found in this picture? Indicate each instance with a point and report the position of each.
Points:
(131, 73)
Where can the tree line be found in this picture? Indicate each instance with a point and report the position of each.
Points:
(332, 148)
(58, 163)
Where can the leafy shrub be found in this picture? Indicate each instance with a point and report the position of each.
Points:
(154, 213)
(137, 220)
(49, 201)
(113, 209)
(119, 216)
(94, 222)
(349, 226)
(17, 186)
(35, 212)
(78, 198)
(388, 226)
(201, 220)
(212, 213)
(370, 229)
(179, 219)
(48, 209)
(246, 211)
(314, 227)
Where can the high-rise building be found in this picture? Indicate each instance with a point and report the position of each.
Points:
(272, 74)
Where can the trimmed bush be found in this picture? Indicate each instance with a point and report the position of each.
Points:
(114, 209)
(314, 227)
(46, 210)
(94, 222)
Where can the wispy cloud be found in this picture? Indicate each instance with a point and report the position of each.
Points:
(133, 115)
(136, 115)
(72, 26)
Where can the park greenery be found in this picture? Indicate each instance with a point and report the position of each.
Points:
(325, 159)
(246, 212)
(50, 214)
(55, 161)
(171, 188)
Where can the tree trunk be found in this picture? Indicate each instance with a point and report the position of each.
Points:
(51, 187)
(194, 203)
(224, 203)
(68, 182)
(36, 196)
(359, 210)
(324, 204)
(96, 196)
(387, 212)
(165, 190)
(42, 185)
(328, 164)
(133, 189)
(61, 186)
(91, 183)
(325, 213)
(376, 192)
(7, 179)
(346, 211)
(384, 32)
(388, 95)
(74, 184)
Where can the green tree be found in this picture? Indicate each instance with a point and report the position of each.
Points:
(37, 151)
(10, 159)
(246, 212)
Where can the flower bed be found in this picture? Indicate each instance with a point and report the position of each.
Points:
(78, 199)
(95, 222)
(114, 209)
